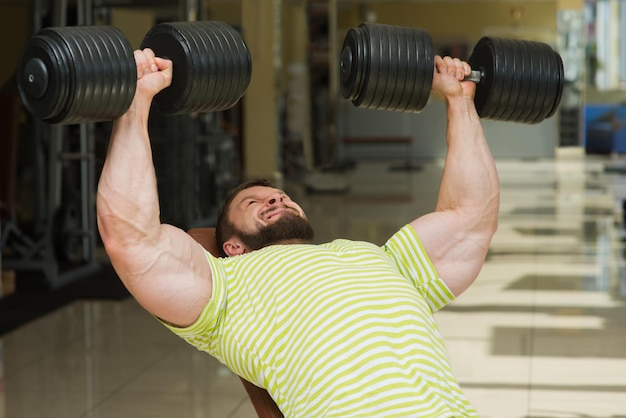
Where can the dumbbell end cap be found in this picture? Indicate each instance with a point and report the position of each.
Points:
(345, 65)
(35, 80)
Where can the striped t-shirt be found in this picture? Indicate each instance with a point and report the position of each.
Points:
(343, 329)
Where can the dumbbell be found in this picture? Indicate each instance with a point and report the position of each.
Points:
(80, 74)
(391, 67)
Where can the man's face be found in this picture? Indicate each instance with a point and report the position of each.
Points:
(265, 216)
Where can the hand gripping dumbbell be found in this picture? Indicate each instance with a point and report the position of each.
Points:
(391, 68)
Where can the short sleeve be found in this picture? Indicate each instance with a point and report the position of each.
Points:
(205, 331)
(406, 249)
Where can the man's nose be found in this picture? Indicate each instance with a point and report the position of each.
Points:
(273, 200)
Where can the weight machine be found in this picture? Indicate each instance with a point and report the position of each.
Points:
(61, 243)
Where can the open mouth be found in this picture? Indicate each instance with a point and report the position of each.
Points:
(276, 213)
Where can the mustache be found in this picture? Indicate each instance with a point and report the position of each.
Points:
(269, 211)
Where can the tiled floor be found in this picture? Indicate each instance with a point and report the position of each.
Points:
(541, 334)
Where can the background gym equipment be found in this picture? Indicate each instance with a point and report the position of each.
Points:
(70, 75)
(390, 67)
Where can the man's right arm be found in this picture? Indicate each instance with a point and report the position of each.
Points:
(458, 233)
(162, 266)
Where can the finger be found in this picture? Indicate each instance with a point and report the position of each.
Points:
(149, 53)
(455, 68)
(163, 63)
(146, 62)
(440, 65)
(142, 63)
(467, 68)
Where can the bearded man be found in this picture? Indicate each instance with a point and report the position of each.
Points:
(338, 329)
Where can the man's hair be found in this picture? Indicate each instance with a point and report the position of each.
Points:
(225, 229)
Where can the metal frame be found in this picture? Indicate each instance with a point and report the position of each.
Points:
(39, 254)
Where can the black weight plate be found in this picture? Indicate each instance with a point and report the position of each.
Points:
(244, 63)
(399, 72)
(386, 82)
(222, 78)
(363, 60)
(515, 70)
(241, 63)
(404, 80)
(426, 68)
(211, 66)
(194, 32)
(523, 79)
(384, 92)
(405, 70)
(124, 72)
(397, 69)
(554, 82)
(506, 68)
(543, 80)
(89, 77)
(489, 89)
(239, 56)
(110, 74)
(534, 87)
(43, 75)
(69, 82)
(518, 91)
(539, 81)
(220, 73)
(230, 79)
(559, 79)
(372, 46)
(97, 76)
(350, 65)
(543, 84)
(500, 82)
(530, 87)
(198, 62)
(481, 60)
(527, 92)
(415, 77)
(81, 69)
(167, 42)
(368, 95)
(232, 68)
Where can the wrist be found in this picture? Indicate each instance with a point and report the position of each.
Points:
(138, 112)
(460, 103)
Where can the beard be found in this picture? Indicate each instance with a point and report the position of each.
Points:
(288, 227)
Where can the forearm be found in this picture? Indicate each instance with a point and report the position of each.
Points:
(470, 181)
(127, 200)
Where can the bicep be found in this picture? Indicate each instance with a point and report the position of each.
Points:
(170, 277)
(456, 248)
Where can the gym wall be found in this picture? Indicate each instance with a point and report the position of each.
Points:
(14, 32)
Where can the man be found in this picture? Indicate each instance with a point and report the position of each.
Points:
(339, 329)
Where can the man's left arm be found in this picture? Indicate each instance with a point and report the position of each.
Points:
(458, 233)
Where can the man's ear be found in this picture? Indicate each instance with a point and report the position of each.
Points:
(234, 247)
